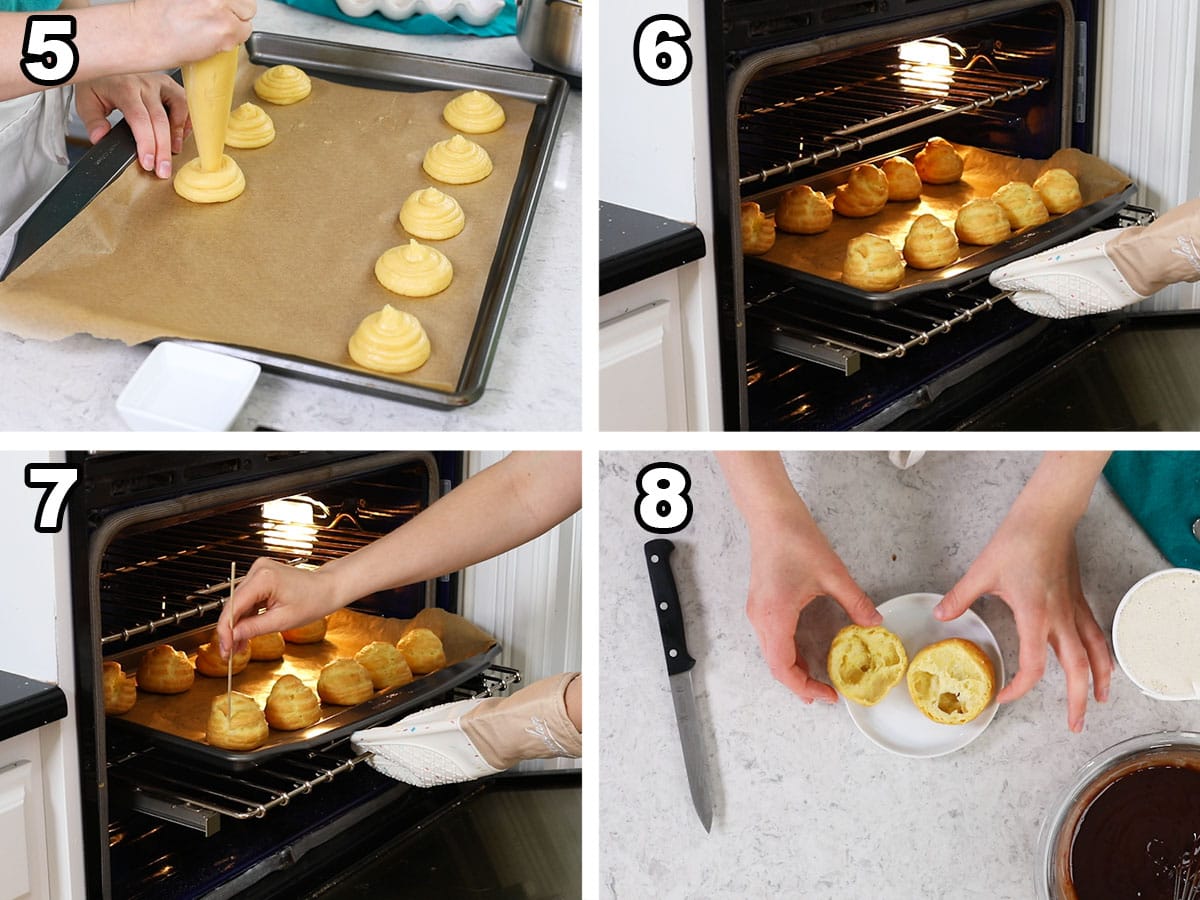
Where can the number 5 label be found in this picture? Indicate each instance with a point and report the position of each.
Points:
(48, 57)
(660, 50)
(58, 479)
(663, 505)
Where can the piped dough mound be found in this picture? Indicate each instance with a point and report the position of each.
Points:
(866, 663)
(283, 85)
(474, 113)
(390, 341)
(414, 270)
(249, 127)
(193, 183)
(432, 215)
(292, 705)
(951, 681)
(904, 183)
(244, 730)
(930, 244)
(982, 223)
(457, 160)
(1022, 205)
(1059, 190)
(801, 210)
(872, 264)
(758, 232)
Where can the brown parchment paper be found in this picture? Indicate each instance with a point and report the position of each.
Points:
(287, 267)
(983, 173)
(186, 715)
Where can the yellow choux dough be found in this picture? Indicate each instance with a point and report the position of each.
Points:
(1059, 190)
(245, 730)
(266, 646)
(457, 161)
(422, 650)
(872, 264)
(758, 232)
(1022, 205)
(903, 181)
(432, 215)
(283, 85)
(165, 670)
(930, 244)
(210, 663)
(385, 664)
(120, 691)
(191, 182)
(292, 705)
(312, 633)
(414, 270)
(802, 210)
(473, 113)
(390, 340)
(865, 194)
(983, 223)
(939, 163)
(249, 127)
(344, 683)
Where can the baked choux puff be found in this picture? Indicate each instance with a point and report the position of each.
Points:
(165, 670)
(422, 650)
(983, 223)
(1022, 205)
(210, 662)
(292, 705)
(872, 264)
(344, 683)
(864, 194)
(1059, 191)
(938, 162)
(802, 210)
(385, 664)
(312, 633)
(244, 730)
(903, 181)
(120, 691)
(930, 244)
(758, 232)
(266, 646)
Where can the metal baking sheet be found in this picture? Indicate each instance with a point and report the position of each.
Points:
(792, 257)
(381, 70)
(179, 721)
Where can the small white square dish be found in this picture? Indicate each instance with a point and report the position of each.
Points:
(181, 388)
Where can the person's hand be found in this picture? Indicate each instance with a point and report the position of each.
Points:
(181, 31)
(153, 105)
(288, 597)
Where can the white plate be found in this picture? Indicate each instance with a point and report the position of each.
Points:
(894, 723)
(181, 388)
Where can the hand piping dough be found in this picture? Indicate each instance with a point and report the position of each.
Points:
(249, 127)
(283, 85)
(432, 215)
(457, 161)
(473, 113)
(414, 270)
(390, 341)
(193, 183)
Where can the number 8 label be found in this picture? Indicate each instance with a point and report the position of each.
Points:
(663, 505)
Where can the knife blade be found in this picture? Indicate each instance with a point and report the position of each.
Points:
(679, 674)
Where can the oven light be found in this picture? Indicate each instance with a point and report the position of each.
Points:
(289, 526)
(926, 53)
(925, 67)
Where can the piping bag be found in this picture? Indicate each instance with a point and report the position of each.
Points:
(213, 177)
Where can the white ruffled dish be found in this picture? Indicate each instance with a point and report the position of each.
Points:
(473, 12)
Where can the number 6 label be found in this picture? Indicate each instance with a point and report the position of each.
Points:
(58, 479)
(663, 505)
(660, 50)
(48, 57)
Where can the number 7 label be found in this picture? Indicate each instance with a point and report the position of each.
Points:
(58, 479)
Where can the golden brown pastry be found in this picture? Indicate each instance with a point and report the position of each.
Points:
(249, 128)
(344, 683)
(473, 113)
(872, 264)
(457, 161)
(385, 664)
(430, 618)
(1059, 191)
(266, 646)
(283, 85)
(939, 163)
(951, 681)
(422, 650)
(983, 223)
(210, 663)
(802, 210)
(903, 181)
(165, 670)
(245, 730)
(312, 633)
(866, 663)
(432, 215)
(414, 270)
(390, 340)
(758, 232)
(120, 690)
(1022, 205)
(865, 194)
(930, 244)
(292, 705)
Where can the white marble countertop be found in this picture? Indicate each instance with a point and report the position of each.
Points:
(534, 383)
(805, 806)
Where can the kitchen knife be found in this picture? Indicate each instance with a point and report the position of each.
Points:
(679, 674)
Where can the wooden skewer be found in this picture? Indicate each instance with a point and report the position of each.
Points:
(229, 662)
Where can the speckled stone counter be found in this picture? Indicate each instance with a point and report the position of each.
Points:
(805, 806)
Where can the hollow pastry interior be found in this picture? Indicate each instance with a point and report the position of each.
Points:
(938, 162)
(457, 160)
(422, 650)
(904, 183)
(866, 663)
(1022, 205)
(165, 670)
(1059, 190)
(414, 270)
(801, 210)
(864, 194)
(226, 183)
(267, 646)
(283, 85)
(344, 682)
(249, 127)
(390, 340)
(292, 705)
(982, 223)
(474, 113)
(210, 663)
(872, 264)
(432, 215)
(952, 681)
(385, 664)
(120, 690)
(311, 633)
(758, 232)
(244, 730)
(930, 244)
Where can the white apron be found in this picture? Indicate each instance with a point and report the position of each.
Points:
(33, 153)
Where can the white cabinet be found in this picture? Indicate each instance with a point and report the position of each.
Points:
(22, 821)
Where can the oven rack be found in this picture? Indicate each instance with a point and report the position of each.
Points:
(803, 118)
(198, 797)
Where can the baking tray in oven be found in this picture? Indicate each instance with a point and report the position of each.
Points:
(178, 721)
(815, 261)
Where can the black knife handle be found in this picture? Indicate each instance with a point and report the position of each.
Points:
(666, 602)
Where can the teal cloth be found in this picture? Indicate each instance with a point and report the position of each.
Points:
(505, 23)
(1161, 490)
(28, 5)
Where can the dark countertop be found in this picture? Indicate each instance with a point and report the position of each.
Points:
(26, 704)
(635, 245)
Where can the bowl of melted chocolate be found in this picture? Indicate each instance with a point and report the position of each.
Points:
(1129, 825)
